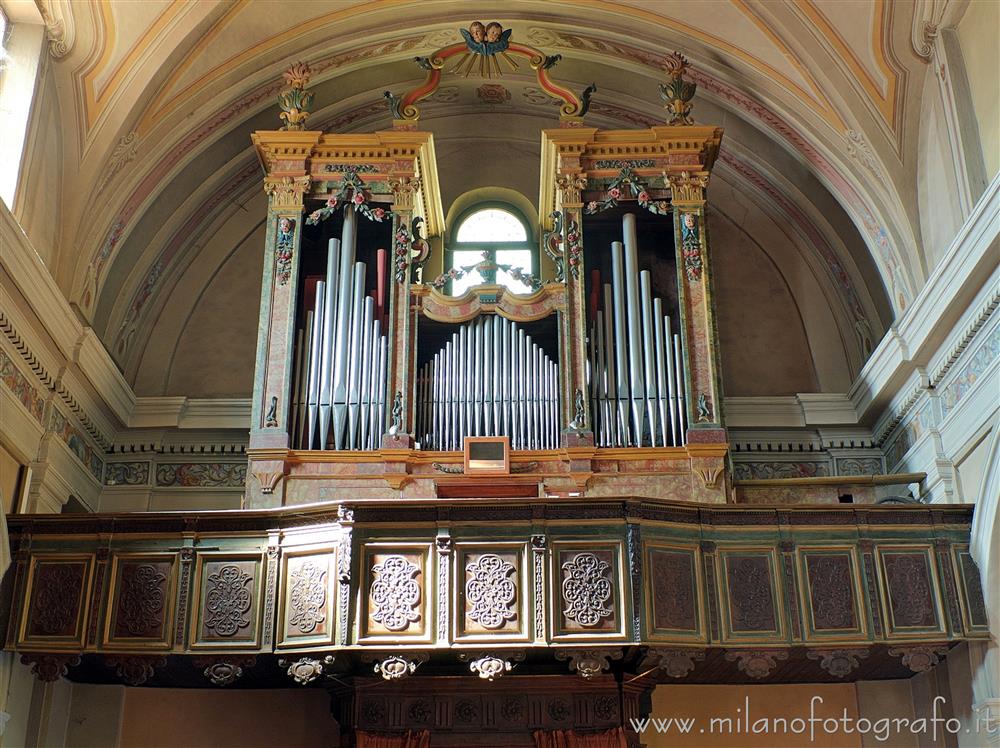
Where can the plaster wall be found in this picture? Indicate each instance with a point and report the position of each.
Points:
(977, 32)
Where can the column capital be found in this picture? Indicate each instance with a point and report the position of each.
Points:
(687, 189)
(285, 194)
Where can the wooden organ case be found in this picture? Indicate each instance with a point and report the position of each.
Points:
(369, 375)
(619, 565)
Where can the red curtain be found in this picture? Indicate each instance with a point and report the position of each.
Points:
(613, 738)
(420, 739)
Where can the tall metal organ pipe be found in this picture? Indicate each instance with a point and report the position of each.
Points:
(489, 379)
(635, 364)
(340, 396)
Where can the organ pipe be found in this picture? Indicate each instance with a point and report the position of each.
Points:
(340, 395)
(635, 365)
(489, 379)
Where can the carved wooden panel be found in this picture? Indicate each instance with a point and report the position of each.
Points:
(673, 592)
(974, 617)
(912, 596)
(587, 591)
(396, 602)
(229, 601)
(56, 609)
(831, 593)
(142, 601)
(491, 591)
(308, 607)
(752, 603)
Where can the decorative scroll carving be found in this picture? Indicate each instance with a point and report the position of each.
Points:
(57, 598)
(270, 593)
(588, 663)
(672, 574)
(919, 659)
(831, 591)
(490, 591)
(345, 516)
(229, 599)
(676, 663)
(307, 599)
(837, 662)
(586, 589)
(911, 599)
(49, 667)
(305, 670)
(141, 600)
(552, 243)
(750, 595)
(286, 193)
(135, 670)
(756, 663)
(686, 187)
(490, 667)
(395, 593)
(397, 414)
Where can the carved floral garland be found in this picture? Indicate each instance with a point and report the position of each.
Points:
(484, 267)
(623, 187)
(352, 192)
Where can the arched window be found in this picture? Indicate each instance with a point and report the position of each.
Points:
(498, 232)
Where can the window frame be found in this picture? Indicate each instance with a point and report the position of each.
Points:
(529, 244)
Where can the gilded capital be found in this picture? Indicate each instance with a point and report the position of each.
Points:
(687, 188)
(285, 193)
(404, 191)
(571, 187)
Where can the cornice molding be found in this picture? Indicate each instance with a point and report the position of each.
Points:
(968, 266)
(191, 413)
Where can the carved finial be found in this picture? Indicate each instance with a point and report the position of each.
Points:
(295, 102)
(678, 92)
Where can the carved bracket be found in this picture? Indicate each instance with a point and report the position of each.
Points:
(920, 659)
(588, 663)
(49, 668)
(396, 666)
(490, 667)
(305, 670)
(837, 662)
(757, 663)
(135, 670)
(675, 663)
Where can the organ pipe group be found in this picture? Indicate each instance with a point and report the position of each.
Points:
(490, 379)
(635, 370)
(341, 362)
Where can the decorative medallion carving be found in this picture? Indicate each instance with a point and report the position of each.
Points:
(49, 667)
(228, 601)
(490, 591)
(837, 662)
(756, 663)
(228, 671)
(490, 667)
(395, 667)
(676, 663)
(141, 599)
(586, 590)
(395, 593)
(512, 709)
(588, 663)
(466, 711)
(135, 670)
(919, 659)
(307, 599)
(420, 711)
(305, 670)
(606, 708)
(56, 598)
(559, 709)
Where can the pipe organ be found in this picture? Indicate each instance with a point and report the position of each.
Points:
(370, 375)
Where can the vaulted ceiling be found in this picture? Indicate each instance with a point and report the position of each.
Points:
(144, 186)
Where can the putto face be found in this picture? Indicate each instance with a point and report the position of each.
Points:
(689, 220)
(284, 225)
(477, 31)
(493, 32)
